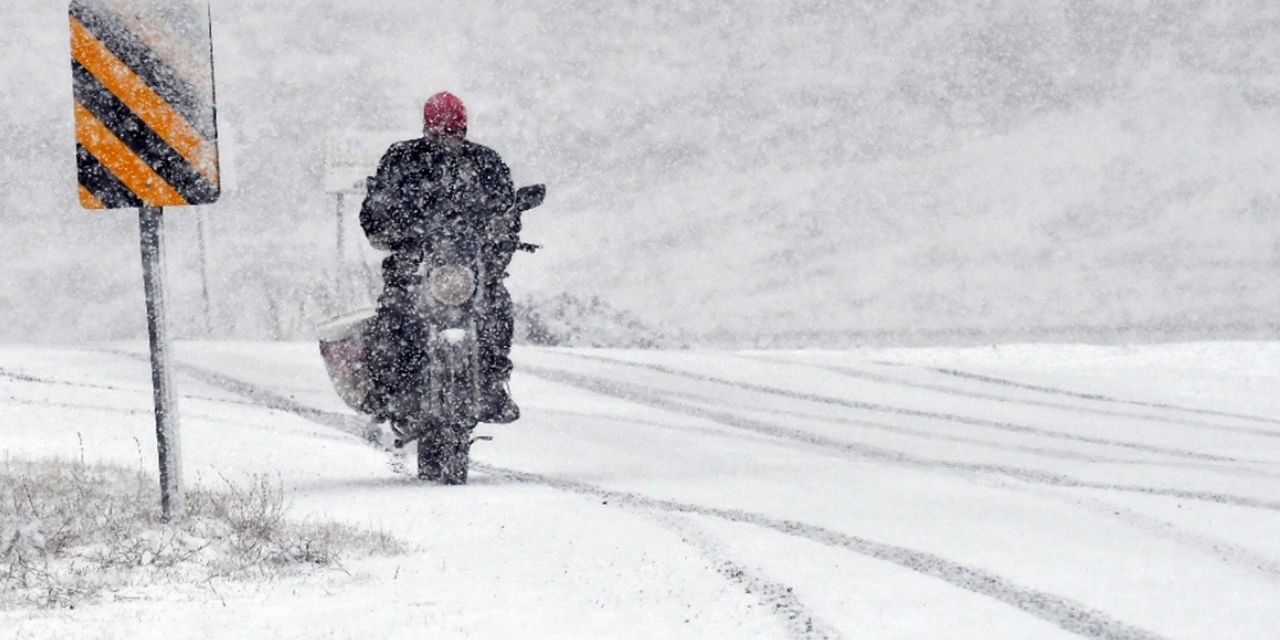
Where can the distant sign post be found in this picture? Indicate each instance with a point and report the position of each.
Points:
(353, 155)
(349, 158)
(146, 138)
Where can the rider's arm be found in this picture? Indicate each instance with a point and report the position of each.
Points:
(378, 212)
(503, 225)
(495, 177)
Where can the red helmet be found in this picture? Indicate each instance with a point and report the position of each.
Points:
(444, 114)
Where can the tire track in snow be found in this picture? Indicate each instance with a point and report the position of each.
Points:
(779, 598)
(799, 622)
(27, 378)
(79, 406)
(146, 413)
(349, 423)
(1062, 454)
(1067, 614)
(19, 376)
(1048, 453)
(645, 397)
(713, 432)
(1223, 550)
(1045, 452)
(917, 413)
(861, 374)
(1092, 396)
(1217, 548)
(1054, 608)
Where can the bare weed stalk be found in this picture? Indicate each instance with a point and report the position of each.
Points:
(71, 531)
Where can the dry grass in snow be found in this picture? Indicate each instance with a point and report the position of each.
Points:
(70, 531)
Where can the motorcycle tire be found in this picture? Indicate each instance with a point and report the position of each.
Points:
(444, 456)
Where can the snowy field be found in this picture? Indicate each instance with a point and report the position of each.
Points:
(1003, 492)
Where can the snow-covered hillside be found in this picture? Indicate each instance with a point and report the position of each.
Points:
(748, 171)
(1015, 492)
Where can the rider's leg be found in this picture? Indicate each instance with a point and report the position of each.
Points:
(396, 359)
(496, 328)
(379, 358)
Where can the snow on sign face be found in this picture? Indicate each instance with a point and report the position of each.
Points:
(146, 131)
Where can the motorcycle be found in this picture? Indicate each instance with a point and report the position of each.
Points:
(449, 296)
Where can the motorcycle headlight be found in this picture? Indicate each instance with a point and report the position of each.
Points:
(451, 284)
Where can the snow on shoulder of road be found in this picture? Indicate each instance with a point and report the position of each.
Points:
(1022, 491)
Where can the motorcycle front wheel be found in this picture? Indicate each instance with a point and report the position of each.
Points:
(444, 454)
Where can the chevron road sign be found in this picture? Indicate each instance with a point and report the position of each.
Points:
(144, 103)
(147, 137)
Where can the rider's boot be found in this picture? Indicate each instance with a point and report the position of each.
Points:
(375, 433)
(497, 406)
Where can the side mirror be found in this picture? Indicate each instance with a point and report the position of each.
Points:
(530, 196)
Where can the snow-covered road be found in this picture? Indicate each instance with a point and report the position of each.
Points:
(1011, 492)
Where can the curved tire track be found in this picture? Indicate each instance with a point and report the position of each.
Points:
(860, 374)
(1225, 551)
(26, 377)
(1222, 550)
(349, 423)
(800, 623)
(1061, 454)
(647, 398)
(916, 413)
(1228, 552)
(1067, 614)
(23, 377)
(1096, 397)
(795, 616)
(1044, 452)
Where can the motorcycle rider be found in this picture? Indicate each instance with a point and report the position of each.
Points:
(440, 183)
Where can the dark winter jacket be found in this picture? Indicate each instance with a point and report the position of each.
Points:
(429, 187)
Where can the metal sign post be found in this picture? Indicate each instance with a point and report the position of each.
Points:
(146, 138)
(341, 203)
(205, 304)
(151, 224)
(349, 158)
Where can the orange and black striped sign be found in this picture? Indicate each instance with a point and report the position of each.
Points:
(146, 130)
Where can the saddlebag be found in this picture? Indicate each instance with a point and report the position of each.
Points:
(344, 345)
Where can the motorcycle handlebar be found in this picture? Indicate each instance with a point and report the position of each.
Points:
(527, 198)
